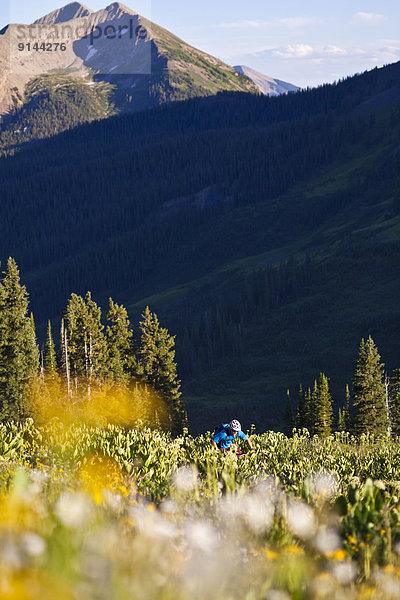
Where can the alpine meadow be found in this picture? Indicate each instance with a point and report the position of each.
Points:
(199, 308)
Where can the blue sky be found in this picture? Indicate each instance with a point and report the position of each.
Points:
(305, 43)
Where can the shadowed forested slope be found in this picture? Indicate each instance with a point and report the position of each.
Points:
(264, 231)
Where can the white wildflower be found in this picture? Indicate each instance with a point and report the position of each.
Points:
(38, 476)
(185, 479)
(201, 536)
(277, 595)
(323, 586)
(112, 500)
(390, 587)
(301, 519)
(169, 507)
(344, 572)
(152, 525)
(325, 485)
(73, 509)
(258, 513)
(11, 554)
(33, 544)
(327, 540)
(380, 484)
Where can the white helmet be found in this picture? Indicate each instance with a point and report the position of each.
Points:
(235, 425)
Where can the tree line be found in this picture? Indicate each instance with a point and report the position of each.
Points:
(372, 407)
(90, 356)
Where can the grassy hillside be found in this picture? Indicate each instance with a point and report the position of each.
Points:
(264, 231)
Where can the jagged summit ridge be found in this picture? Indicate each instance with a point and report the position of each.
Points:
(73, 10)
(117, 9)
(119, 6)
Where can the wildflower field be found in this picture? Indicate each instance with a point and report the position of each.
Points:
(103, 513)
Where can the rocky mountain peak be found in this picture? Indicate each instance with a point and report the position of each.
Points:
(73, 10)
(267, 85)
(117, 8)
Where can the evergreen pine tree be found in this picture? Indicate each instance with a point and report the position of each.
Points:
(288, 417)
(370, 412)
(97, 343)
(19, 357)
(157, 366)
(322, 405)
(344, 422)
(341, 423)
(394, 396)
(86, 341)
(309, 411)
(346, 410)
(50, 359)
(119, 336)
(300, 413)
(32, 319)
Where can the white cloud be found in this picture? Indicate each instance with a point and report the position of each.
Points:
(334, 51)
(305, 51)
(382, 53)
(369, 17)
(293, 51)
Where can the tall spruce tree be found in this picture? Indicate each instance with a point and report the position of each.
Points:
(309, 411)
(300, 413)
(344, 422)
(322, 406)
(50, 357)
(346, 409)
(288, 416)
(340, 422)
(370, 412)
(394, 397)
(19, 357)
(121, 362)
(156, 364)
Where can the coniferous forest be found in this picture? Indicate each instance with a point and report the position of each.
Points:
(95, 362)
(91, 358)
(262, 231)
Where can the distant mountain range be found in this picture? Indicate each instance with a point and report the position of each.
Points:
(74, 66)
(146, 64)
(267, 85)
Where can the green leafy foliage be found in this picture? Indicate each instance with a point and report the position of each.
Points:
(306, 512)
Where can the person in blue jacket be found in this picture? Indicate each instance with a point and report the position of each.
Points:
(226, 434)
